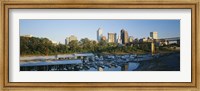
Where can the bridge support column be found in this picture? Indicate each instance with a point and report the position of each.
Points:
(152, 48)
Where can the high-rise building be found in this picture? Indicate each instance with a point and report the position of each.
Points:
(119, 40)
(130, 39)
(154, 35)
(69, 39)
(99, 34)
(124, 36)
(112, 37)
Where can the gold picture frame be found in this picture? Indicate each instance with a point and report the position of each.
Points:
(157, 86)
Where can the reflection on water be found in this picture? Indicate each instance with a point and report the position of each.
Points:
(130, 67)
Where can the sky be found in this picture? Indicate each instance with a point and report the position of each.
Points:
(58, 30)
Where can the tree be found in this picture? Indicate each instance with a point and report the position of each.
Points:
(73, 46)
(85, 44)
(43, 46)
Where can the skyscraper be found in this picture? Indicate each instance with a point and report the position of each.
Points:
(69, 39)
(154, 35)
(99, 34)
(124, 36)
(112, 37)
(119, 40)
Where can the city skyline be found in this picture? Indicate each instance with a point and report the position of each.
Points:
(57, 30)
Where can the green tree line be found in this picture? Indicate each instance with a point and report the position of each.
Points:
(43, 46)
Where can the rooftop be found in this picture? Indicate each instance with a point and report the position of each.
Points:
(42, 63)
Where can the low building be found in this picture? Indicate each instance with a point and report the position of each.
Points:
(103, 38)
(69, 39)
(130, 39)
(48, 65)
(28, 36)
(143, 40)
(154, 35)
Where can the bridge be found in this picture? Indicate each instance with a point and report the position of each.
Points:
(172, 39)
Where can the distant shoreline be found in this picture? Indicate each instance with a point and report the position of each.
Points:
(103, 53)
(117, 53)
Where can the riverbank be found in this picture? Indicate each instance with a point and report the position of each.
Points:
(167, 62)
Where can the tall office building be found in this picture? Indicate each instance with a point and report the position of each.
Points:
(124, 36)
(154, 35)
(69, 39)
(112, 37)
(99, 34)
(119, 40)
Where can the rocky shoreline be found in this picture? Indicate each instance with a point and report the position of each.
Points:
(168, 62)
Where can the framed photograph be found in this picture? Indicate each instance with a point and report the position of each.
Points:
(95, 45)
